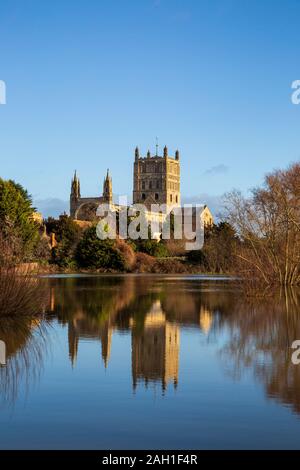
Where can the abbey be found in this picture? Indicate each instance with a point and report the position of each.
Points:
(156, 180)
(84, 208)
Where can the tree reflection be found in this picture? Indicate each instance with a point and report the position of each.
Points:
(153, 310)
(261, 334)
(25, 340)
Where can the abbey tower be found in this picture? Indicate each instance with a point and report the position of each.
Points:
(156, 179)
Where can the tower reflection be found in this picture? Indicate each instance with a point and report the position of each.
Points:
(157, 312)
(155, 349)
(154, 317)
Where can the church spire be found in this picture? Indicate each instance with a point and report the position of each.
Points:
(75, 186)
(107, 188)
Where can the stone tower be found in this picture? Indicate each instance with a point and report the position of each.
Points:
(156, 179)
(75, 194)
(107, 189)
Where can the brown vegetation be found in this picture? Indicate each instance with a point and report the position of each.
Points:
(127, 253)
(144, 263)
(268, 224)
(20, 293)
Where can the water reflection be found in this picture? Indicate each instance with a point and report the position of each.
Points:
(155, 349)
(156, 312)
(25, 342)
(153, 310)
(260, 337)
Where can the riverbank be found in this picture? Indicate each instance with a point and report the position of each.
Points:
(151, 266)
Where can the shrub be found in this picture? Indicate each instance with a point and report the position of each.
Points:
(175, 247)
(197, 257)
(153, 248)
(67, 234)
(20, 293)
(94, 253)
(144, 263)
(219, 247)
(168, 265)
(127, 252)
(42, 251)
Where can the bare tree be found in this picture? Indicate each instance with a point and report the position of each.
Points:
(268, 224)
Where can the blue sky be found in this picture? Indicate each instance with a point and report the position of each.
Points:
(89, 80)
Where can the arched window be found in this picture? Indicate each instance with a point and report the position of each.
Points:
(150, 184)
(143, 196)
(176, 199)
(157, 184)
(171, 198)
(156, 196)
(143, 185)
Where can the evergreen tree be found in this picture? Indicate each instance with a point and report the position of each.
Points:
(16, 222)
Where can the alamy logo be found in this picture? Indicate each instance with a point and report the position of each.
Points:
(137, 222)
(296, 94)
(2, 92)
(296, 354)
(2, 353)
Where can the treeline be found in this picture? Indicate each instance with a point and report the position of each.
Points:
(258, 239)
(64, 244)
(77, 248)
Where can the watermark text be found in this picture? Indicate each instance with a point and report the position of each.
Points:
(2, 92)
(157, 222)
(295, 97)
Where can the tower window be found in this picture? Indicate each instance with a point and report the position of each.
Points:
(143, 185)
(176, 199)
(157, 184)
(171, 198)
(150, 184)
(156, 196)
(143, 196)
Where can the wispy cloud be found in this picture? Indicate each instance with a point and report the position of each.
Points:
(216, 170)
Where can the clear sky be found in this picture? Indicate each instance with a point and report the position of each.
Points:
(88, 80)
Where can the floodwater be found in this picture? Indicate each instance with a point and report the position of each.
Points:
(151, 362)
